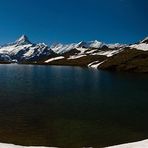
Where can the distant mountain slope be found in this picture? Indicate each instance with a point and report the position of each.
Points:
(133, 58)
(92, 54)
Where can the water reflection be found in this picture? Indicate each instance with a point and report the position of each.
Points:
(71, 106)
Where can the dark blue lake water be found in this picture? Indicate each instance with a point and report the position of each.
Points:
(71, 107)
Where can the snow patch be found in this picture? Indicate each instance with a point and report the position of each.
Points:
(91, 51)
(95, 64)
(54, 59)
(76, 57)
(108, 53)
(82, 50)
(30, 52)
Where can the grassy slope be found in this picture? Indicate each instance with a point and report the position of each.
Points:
(128, 60)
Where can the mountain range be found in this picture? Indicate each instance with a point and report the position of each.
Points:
(93, 54)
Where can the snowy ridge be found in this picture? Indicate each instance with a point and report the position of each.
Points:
(60, 48)
(141, 46)
(116, 45)
(84, 46)
(145, 40)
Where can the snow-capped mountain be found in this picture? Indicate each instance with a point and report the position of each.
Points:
(23, 50)
(93, 54)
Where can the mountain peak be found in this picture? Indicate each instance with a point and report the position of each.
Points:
(23, 40)
(90, 44)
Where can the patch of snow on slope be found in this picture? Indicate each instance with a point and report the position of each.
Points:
(29, 52)
(76, 57)
(54, 59)
(91, 51)
(108, 53)
(142, 46)
(95, 64)
(139, 144)
(82, 50)
(89, 65)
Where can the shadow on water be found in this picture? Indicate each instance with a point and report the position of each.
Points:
(71, 106)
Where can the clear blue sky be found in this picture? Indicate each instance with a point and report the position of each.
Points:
(67, 21)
